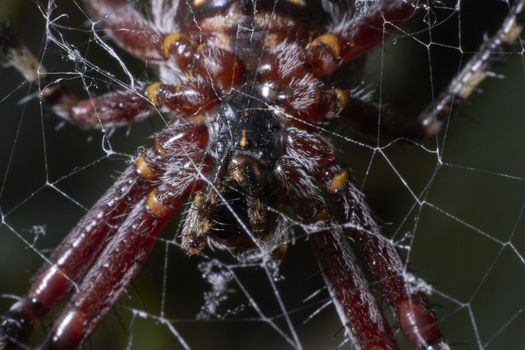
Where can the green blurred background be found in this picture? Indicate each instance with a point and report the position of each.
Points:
(461, 243)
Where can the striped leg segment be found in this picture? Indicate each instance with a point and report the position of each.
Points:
(73, 257)
(177, 155)
(347, 285)
(409, 304)
(127, 27)
(361, 35)
(308, 169)
(475, 71)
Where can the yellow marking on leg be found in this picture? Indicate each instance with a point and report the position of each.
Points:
(338, 182)
(298, 2)
(331, 40)
(198, 3)
(144, 170)
(342, 98)
(169, 40)
(198, 199)
(159, 148)
(152, 92)
(156, 207)
(321, 215)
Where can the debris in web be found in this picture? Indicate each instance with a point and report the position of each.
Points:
(220, 280)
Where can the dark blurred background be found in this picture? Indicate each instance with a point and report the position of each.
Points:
(467, 242)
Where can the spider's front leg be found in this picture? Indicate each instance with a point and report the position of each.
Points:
(127, 27)
(115, 109)
(72, 258)
(350, 40)
(173, 166)
(329, 50)
(397, 286)
(308, 169)
(107, 111)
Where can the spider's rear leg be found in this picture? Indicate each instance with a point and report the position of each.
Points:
(353, 299)
(364, 116)
(348, 286)
(416, 319)
(311, 171)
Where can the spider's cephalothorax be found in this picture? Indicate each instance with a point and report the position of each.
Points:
(244, 144)
(249, 82)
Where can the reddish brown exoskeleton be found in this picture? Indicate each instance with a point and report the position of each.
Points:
(248, 83)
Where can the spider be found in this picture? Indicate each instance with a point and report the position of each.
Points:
(248, 84)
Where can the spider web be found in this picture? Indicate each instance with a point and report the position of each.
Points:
(453, 206)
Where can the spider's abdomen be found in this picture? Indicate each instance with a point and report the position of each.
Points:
(248, 27)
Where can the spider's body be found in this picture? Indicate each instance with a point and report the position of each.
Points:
(244, 137)
(249, 82)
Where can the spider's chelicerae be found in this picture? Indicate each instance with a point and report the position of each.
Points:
(248, 83)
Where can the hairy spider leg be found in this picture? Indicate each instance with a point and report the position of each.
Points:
(415, 317)
(113, 109)
(143, 39)
(84, 244)
(354, 301)
(309, 162)
(371, 120)
(348, 287)
(363, 116)
(180, 149)
(72, 258)
(354, 39)
(140, 37)
(476, 70)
